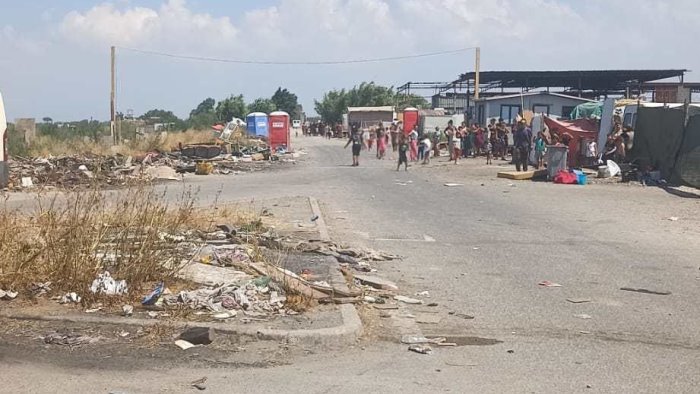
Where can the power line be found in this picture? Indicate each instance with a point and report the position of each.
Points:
(274, 63)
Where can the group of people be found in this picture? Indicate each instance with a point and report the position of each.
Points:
(412, 147)
(326, 130)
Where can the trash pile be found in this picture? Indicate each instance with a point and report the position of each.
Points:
(119, 170)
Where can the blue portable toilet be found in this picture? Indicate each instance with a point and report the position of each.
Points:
(256, 123)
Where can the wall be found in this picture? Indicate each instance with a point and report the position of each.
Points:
(492, 108)
(368, 119)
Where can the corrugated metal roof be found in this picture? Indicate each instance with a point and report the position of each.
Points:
(386, 108)
(528, 94)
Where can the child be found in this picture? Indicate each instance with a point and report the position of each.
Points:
(426, 145)
(540, 149)
(489, 151)
(403, 152)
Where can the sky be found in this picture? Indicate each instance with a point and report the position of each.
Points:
(54, 56)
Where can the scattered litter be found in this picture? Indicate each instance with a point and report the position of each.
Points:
(154, 295)
(377, 283)
(38, 289)
(198, 335)
(475, 248)
(646, 291)
(422, 349)
(124, 334)
(184, 345)
(418, 339)
(93, 310)
(69, 298)
(453, 184)
(407, 300)
(583, 316)
(546, 283)
(425, 293)
(27, 182)
(510, 351)
(384, 307)
(70, 339)
(462, 315)
(578, 300)
(314, 218)
(433, 304)
(153, 314)
(127, 310)
(8, 295)
(105, 284)
(673, 219)
(225, 315)
(199, 384)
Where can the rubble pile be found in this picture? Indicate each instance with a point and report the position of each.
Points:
(120, 170)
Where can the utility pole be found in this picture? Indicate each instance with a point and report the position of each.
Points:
(476, 73)
(112, 99)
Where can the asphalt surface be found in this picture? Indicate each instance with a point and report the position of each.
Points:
(478, 249)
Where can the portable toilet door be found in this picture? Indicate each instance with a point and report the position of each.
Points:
(256, 124)
(410, 119)
(279, 131)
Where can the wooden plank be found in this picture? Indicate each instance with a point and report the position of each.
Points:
(522, 175)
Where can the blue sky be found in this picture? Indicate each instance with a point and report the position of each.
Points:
(55, 54)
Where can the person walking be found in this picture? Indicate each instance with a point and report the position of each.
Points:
(450, 134)
(413, 143)
(356, 141)
(403, 152)
(381, 142)
(436, 142)
(522, 138)
(457, 146)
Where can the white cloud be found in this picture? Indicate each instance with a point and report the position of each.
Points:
(512, 34)
(172, 26)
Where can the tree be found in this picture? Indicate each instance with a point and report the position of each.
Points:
(206, 106)
(411, 100)
(333, 105)
(232, 107)
(262, 105)
(286, 101)
(47, 119)
(368, 94)
(163, 116)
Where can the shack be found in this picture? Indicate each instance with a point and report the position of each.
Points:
(508, 107)
(370, 116)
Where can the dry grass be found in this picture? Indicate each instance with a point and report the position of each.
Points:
(44, 146)
(69, 238)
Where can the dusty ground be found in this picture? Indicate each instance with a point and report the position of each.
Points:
(478, 251)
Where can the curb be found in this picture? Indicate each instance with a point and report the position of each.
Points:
(320, 223)
(331, 337)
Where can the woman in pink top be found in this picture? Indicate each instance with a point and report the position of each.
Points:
(381, 142)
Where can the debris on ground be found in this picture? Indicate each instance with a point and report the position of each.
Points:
(119, 170)
(68, 298)
(198, 335)
(184, 345)
(105, 284)
(578, 300)
(127, 310)
(645, 291)
(68, 339)
(546, 283)
(199, 384)
(408, 300)
(7, 295)
(422, 349)
(583, 316)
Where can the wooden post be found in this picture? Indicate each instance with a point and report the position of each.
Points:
(477, 67)
(112, 98)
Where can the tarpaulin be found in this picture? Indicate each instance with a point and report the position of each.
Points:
(587, 111)
(657, 138)
(579, 131)
(688, 165)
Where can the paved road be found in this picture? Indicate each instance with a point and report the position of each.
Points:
(478, 249)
